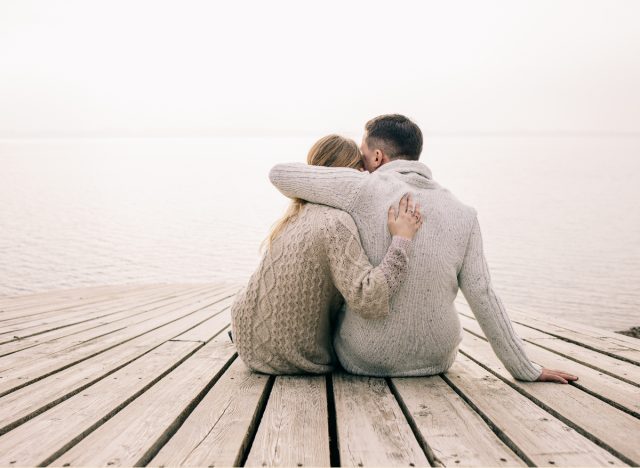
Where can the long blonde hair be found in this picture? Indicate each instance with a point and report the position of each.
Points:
(328, 151)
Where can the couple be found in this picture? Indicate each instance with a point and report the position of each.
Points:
(351, 274)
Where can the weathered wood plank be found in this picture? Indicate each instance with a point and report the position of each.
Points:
(569, 403)
(210, 327)
(612, 344)
(50, 434)
(218, 430)
(145, 424)
(25, 326)
(455, 433)
(30, 400)
(559, 320)
(146, 320)
(38, 307)
(614, 367)
(372, 430)
(622, 394)
(534, 434)
(582, 328)
(604, 363)
(294, 429)
(44, 334)
(174, 321)
(62, 295)
(30, 317)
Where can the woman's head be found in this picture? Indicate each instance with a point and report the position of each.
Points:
(335, 151)
(329, 151)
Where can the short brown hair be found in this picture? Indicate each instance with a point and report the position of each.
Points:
(396, 135)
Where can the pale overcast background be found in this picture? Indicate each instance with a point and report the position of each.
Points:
(189, 68)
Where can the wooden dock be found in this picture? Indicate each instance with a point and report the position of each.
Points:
(147, 376)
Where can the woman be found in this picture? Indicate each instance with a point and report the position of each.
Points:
(281, 321)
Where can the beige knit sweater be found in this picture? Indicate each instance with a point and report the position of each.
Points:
(281, 321)
(422, 333)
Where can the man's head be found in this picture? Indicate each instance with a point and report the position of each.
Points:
(389, 137)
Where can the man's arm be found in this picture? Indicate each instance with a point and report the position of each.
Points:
(338, 187)
(475, 283)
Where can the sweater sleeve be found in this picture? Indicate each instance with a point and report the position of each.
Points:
(366, 289)
(332, 186)
(475, 283)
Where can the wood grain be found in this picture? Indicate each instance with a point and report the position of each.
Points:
(217, 432)
(455, 433)
(294, 429)
(372, 430)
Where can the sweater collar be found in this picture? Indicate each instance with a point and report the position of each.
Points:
(407, 167)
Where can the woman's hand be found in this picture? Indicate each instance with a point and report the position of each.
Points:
(550, 375)
(405, 221)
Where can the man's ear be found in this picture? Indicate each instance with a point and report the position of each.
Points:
(379, 158)
(382, 159)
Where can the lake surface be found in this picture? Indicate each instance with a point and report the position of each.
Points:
(560, 217)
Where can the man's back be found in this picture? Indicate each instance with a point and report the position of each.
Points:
(422, 332)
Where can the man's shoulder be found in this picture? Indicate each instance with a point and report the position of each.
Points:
(449, 197)
(443, 204)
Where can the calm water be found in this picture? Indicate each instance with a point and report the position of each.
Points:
(560, 216)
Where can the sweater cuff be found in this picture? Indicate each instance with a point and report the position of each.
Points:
(395, 263)
(402, 243)
(529, 373)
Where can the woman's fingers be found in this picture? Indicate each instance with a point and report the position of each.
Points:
(391, 215)
(410, 207)
(404, 203)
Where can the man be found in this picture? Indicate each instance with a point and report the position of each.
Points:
(422, 332)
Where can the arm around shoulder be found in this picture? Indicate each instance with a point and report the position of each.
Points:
(338, 187)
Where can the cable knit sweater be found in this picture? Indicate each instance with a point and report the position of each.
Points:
(422, 333)
(281, 319)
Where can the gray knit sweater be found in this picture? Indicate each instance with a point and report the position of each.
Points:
(281, 320)
(421, 334)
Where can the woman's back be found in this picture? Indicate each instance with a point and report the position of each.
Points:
(281, 320)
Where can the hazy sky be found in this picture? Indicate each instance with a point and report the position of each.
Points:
(187, 68)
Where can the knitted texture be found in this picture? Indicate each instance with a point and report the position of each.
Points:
(281, 320)
(422, 333)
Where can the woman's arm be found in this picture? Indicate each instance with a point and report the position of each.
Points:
(365, 288)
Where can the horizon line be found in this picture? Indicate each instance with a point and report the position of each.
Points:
(304, 134)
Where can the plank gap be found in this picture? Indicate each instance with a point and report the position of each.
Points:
(566, 356)
(584, 363)
(35, 379)
(334, 449)
(59, 400)
(42, 409)
(608, 401)
(255, 423)
(424, 445)
(182, 417)
(496, 430)
(584, 345)
(58, 453)
(553, 412)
